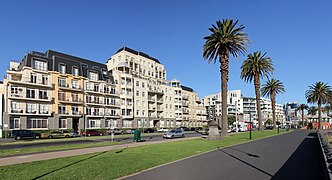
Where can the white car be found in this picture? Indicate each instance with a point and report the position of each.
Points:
(163, 130)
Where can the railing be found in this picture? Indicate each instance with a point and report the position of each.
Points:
(38, 81)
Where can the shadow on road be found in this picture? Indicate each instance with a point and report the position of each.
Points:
(43, 175)
(305, 163)
(261, 170)
(249, 154)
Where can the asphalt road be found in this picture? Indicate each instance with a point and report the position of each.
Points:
(40, 143)
(294, 155)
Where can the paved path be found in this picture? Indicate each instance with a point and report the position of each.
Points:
(294, 155)
(67, 153)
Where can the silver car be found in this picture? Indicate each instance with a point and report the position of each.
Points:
(174, 133)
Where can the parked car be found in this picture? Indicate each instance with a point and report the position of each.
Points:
(130, 131)
(184, 128)
(21, 134)
(193, 129)
(71, 134)
(174, 133)
(115, 131)
(204, 131)
(269, 127)
(163, 130)
(92, 132)
(149, 130)
(56, 134)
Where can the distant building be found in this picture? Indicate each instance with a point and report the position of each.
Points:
(290, 109)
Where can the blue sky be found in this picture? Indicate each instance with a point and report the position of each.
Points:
(295, 34)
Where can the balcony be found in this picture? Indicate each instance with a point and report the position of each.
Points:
(155, 91)
(95, 102)
(116, 104)
(113, 115)
(30, 112)
(185, 97)
(185, 104)
(152, 108)
(70, 113)
(96, 114)
(69, 87)
(70, 100)
(112, 93)
(160, 101)
(29, 97)
(30, 82)
(150, 99)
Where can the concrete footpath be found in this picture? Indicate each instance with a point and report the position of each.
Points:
(294, 155)
(74, 152)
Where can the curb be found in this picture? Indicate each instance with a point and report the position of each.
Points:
(328, 172)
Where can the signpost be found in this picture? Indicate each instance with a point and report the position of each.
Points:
(250, 126)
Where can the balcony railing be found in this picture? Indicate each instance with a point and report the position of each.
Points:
(29, 80)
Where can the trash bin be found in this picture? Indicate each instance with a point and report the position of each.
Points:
(137, 135)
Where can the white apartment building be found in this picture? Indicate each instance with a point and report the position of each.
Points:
(147, 98)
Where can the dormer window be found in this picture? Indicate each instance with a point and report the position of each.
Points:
(62, 69)
(75, 71)
(40, 65)
(93, 76)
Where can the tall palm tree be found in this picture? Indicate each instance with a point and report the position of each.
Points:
(312, 110)
(319, 93)
(272, 88)
(301, 108)
(255, 67)
(226, 39)
(326, 109)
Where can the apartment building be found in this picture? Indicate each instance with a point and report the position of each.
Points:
(213, 104)
(53, 90)
(147, 98)
(1, 107)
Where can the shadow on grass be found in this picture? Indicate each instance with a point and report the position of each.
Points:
(244, 162)
(71, 164)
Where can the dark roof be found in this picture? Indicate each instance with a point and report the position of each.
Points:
(187, 88)
(137, 53)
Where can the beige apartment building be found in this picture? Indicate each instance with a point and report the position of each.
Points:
(53, 90)
(147, 98)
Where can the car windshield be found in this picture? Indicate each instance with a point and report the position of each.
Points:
(172, 131)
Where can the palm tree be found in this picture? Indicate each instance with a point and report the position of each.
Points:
(319, 93)
(301, 108)
(225, 39)
(272, 88)
(312, 110)
(326, 109)
(255, 67)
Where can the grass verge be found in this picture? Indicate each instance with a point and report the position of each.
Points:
(53, 148)
(114, 164)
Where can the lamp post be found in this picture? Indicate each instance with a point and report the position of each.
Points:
(250, 122)
(236, 123)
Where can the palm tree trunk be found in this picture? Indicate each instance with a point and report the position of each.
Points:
(273, 100)
(258, 101)
(303, 117)
(224, 63)
(319, 114)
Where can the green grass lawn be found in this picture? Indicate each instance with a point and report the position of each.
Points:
(114, 164)
(53, 148)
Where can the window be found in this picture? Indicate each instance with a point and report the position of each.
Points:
(15, 123)
(142, 84)
(43, 109)
(37, 123)
(75, 71)
(75, 84)
(40, 65)
(62, 69)
(62, 82)
(88, 111)
(137, 102)
(63, 123)
(137, 112)
(143, 94)
(137, 83)
(14, 91)
(30, 93)
(93, 76)
(143, 112)
(43, 94)
(96, 88)
(123, 112)
(74, 110)
(44, 80)
(94, 123)
(62, 109)
(33, 78)
(137, 93)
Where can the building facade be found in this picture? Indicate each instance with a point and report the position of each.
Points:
(54, 90)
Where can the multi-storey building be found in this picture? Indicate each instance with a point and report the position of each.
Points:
(291, 113)
(1, 106)
(213, 104)
(53, 90)
(147, 98)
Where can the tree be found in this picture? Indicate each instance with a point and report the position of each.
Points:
(319, 93)
(301, 108)
(231, 119)
(326, 109)
(312, 110)
(272, 88)
(225, 39)
(255, 67)
(268, 122)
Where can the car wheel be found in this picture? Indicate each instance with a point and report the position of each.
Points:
(18, 137)
(50, 137)
(89, 134)
(172, 137)
(122, 132)
(101, 134)
(37, 137)
(183, 135)
(66, 136)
